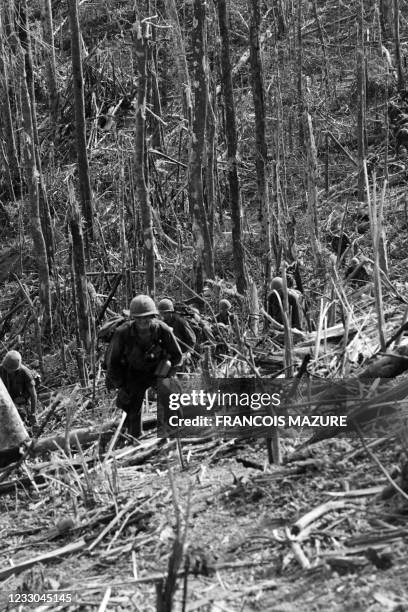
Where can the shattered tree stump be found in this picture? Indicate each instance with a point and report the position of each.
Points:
(12, 430)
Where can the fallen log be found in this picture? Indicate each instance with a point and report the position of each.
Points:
(389, 366)
(383, 410)
(84, 436)
(51, 443)
(59, 552)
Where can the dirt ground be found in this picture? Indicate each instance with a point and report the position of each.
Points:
(243, 553)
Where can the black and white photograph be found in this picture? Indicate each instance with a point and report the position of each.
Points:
(204, 305)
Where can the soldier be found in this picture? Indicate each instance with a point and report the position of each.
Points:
(274, 307)
(225, 316)
(143, 352)
(181, 328)
(20, 383)
(357, 273)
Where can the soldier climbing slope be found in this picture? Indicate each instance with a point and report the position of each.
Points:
(181, 328)
(275, 299)
(144, 351)
(20, 383)
(224, 315)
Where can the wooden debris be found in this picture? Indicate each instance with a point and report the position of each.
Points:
(389, 366)
(314, 515)
(54, 554)
(356, 492)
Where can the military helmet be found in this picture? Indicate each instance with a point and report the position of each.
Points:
(142, 306)
(225, 304)
(166, 305)
(277, 283)
(12, 361)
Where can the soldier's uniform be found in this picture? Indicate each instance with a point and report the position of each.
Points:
(135, 355)
(225, 316)
(181, 328)
(274, 308)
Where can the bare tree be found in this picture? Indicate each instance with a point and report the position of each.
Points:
(361, 106)
(261, 156)
(385, 10)
(181, 58)
(81, 302)
(24, 35)
(204, 250)
(401, 78)
(48, 34)
(141, 41)
(31, 176)
(80, 126)
(9, 153)
(231, 138)
(311, 180)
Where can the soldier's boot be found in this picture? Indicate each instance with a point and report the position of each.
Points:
(134, 423)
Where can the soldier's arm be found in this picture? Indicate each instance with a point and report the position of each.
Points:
(171, 347)
(189, 337)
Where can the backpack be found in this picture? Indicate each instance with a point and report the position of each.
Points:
(199, 325)
(107, 330)
(105, 334)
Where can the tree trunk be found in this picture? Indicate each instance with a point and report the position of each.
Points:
(12, 169)
(241, 274)
(401, 78)
(181, 58)
(31, 172)
(311, 180)
(361, 110)
(324, 49)
(204, 250)
(12, 430)
(45, 216)
(80, 126)
(156, 125)
(141, 38)
(300, 73)
(210, 167)
(48, 34)
(385, 19)
(79, 267)
(261, 155)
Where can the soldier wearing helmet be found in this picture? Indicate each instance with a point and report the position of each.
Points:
(139, 350)
(181, 328)
(275, 304)
(20, 383)
(225, 316)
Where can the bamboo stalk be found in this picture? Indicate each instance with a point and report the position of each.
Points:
(372, 208)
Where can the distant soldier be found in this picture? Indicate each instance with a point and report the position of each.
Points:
(225, 316)
(275, 299)
(180, 326)
(143, 352)
(20, 383)
(357, 273)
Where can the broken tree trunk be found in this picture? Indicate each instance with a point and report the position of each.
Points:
(389, 366)
(84, 436)
(12, 430)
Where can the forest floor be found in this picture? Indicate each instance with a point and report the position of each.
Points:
(129, 509)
